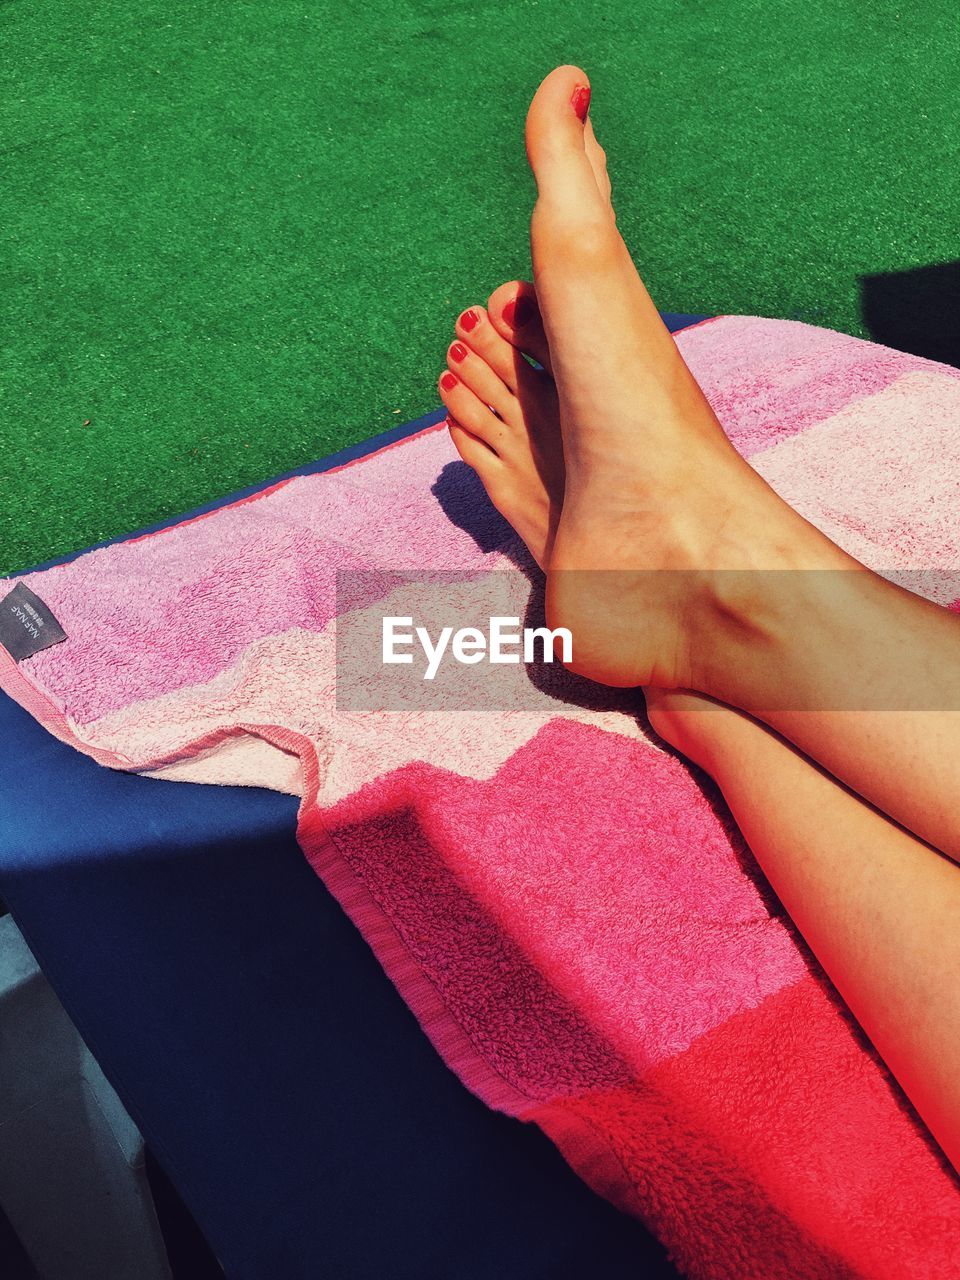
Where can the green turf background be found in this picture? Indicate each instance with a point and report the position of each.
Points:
(235, 234)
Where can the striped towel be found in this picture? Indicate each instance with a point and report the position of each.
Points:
(568, 909)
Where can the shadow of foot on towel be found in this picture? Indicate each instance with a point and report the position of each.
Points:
(464, 502)
(917, 311)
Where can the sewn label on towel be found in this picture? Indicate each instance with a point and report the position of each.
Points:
(26, 624)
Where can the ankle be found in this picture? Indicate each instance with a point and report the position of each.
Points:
(747, 617)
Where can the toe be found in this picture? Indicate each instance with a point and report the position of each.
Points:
(472, 413)
(474, 451)
(489, 339)
(572, 230)
(485, 383)
(515, 313)
(556, 145)
(598, 160)
(555, 120)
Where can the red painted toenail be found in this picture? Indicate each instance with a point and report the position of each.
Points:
(458, 352)
(519, 311)
(468, 321)
(581, 101)
(448, 381)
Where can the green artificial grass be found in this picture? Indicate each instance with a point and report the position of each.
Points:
(236, 234)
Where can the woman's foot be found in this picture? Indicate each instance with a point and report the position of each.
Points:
(657, 503)
(503, 413)
(518, 456)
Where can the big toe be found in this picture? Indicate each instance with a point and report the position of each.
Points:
(556, 145)
(515, 313)
(573, 233)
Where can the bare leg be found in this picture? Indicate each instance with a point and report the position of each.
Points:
(864, 677)
(880, 909)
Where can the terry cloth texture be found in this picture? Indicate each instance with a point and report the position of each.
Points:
(576, 924)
